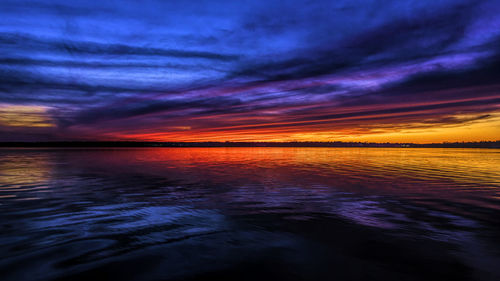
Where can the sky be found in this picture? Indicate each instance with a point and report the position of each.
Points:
(348, 70)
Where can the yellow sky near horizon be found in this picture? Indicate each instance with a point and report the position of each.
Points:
(24, 116)
(480, 129)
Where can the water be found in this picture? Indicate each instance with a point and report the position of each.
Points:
(250, 213)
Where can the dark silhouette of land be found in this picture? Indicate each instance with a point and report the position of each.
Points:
(479, 144)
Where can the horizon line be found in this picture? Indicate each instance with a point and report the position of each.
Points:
(86, 143)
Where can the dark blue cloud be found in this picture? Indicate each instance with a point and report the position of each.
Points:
(95, 62)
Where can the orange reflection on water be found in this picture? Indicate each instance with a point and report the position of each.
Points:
(386, 168)
(23, 172)
(465, 174)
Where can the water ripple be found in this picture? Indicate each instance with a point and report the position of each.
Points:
(71, 211)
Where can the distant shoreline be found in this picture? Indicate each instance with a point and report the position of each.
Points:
(74, 144)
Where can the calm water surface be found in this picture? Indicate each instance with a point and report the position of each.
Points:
(250, 213)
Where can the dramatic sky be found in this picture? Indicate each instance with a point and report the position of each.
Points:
(347, 70)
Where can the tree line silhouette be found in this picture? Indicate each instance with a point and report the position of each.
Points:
(476, 144)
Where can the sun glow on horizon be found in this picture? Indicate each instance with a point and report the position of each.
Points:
(481, 130)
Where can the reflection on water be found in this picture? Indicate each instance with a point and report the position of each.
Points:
(248, 213)
(19, 174)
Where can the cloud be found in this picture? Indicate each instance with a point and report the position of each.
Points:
(28, 42)
(351, 66)
(399, 40)
(24, 116)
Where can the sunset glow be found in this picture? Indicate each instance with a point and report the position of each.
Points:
(404, 72)
(24, 116)
(249, 140)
